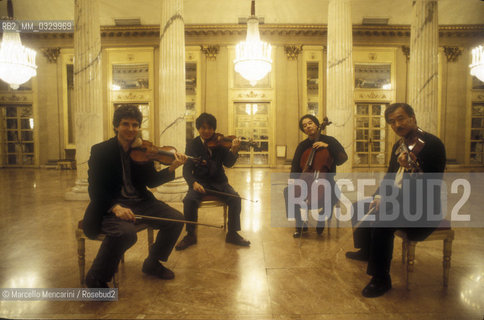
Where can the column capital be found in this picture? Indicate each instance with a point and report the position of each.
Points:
(51, 54)
(211, 51)
(406, 52)
(452, 53)
(292, 51)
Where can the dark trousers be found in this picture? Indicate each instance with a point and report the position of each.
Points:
(378, 242)
(297, 211)
(121, 235)
(192, 200)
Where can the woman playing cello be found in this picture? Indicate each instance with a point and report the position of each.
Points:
(320, 153)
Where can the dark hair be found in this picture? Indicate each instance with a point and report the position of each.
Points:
(394, 106)
(206, 118)
(308, 116)
(127, 111)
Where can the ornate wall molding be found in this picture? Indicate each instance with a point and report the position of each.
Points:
(373, 95)
(251, 95)
(292, 51)
(16, 97)
(478, 96)
(130, 96)
(235, 32)
(51, 54)
(211, 51)
(452, 53)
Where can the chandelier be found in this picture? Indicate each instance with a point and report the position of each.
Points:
(17, 63)
(477, 66)
(253, 56)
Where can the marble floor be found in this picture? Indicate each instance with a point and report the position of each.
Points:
(278, 277)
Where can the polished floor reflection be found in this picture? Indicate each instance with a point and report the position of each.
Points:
(278, 277)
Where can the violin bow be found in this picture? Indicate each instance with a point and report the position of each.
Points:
(229, 195)
(142, 217)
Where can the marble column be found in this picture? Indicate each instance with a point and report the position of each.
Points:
(171, 111)
(339, 70)
(88, 112)
(423, 70)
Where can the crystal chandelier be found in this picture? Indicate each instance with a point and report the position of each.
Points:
(17, 63)
(477, 66)
(253, 56)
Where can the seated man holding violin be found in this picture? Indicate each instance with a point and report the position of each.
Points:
(118, 191)
(417, 162)
(208, 176)
(326, 152)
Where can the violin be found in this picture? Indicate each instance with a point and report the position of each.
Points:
(414, 148)
(219, 140)
(144, 151)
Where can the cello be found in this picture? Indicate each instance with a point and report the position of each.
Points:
(317, 160)
(314, 162)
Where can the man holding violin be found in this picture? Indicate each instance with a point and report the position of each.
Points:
(416, 166)
(332, 155)
(208, 175)
(118, 191)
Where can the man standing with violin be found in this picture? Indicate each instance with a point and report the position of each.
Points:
(415, 157)
(332, 155)
(118, 191)
(208, 175)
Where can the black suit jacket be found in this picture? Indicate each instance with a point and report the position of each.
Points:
(213, 171)
(105, 177)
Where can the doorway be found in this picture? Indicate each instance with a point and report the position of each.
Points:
(17, 126)
(370, 135)
(253, 126)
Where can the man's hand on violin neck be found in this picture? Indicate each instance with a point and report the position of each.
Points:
(180, 159)
(123, 213)
(198, 187)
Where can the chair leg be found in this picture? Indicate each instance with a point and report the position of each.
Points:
(115, 281)
(404, 250)
(446, 262)
(410, 262)
(225, 216)
(150, 238)
(81, 257)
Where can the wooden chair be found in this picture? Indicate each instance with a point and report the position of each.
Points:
(81, 247)
(443, 232)
(210, 201)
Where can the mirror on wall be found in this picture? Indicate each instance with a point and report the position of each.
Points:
(373, 76)
(130, 76)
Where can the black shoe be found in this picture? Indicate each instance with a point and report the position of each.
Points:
(157, 269)
(187, 241)
(300, 231)
(359, 255)
(92, 282)
(377, 287)
(237, 239)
